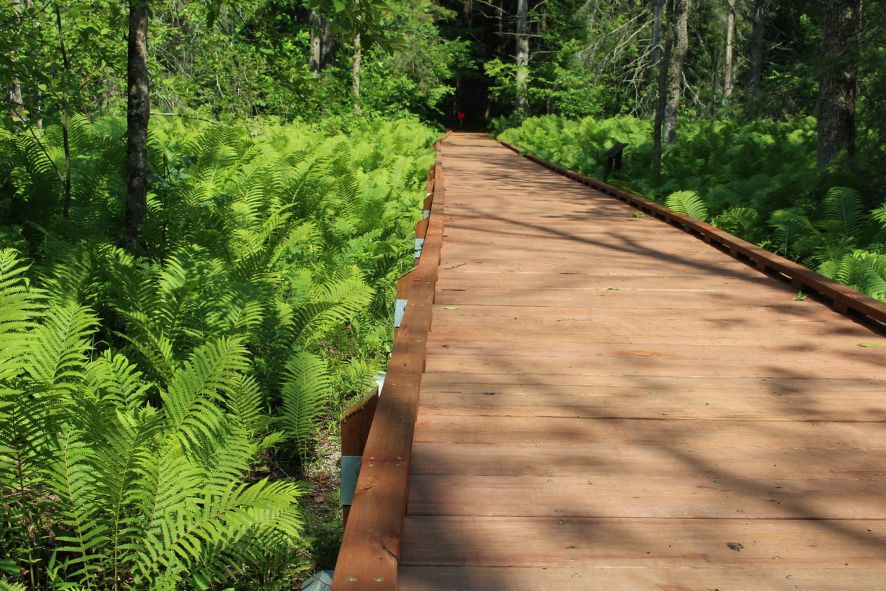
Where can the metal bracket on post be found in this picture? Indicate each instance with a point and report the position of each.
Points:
(425, 214)
(399, 311)
(419, 244)
(350, 472)
(380, 381)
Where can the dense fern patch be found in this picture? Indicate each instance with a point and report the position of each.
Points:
(152, 406)
(757, 180)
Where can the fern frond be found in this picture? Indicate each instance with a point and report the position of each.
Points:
(117, 381)
(844, 205)
(191, 401)
(307, 389)
(688, 203)
(218, 522)
(56, 353)
(73, 481)
(789, 228)
(332, 304)
(879, 215)
(741, 221)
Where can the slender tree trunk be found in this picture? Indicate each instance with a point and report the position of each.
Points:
(657, 12)
(467, 12)
(663, 57)
(14, 91)
(728, 76)
(839, 80)
(679, 31)
(655, 54)
(501, 46)
(759, 40)
(326, 42)
(355, 73)
(66, 138)
(316, 44)
(16, 107)
(522, 55)
(138, 112)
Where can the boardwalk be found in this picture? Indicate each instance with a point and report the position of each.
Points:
(609, 403)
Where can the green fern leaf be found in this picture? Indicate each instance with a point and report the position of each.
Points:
(306, 391)
(688, 203)
(844, 205)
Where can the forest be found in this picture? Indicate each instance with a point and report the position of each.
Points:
(205, 208)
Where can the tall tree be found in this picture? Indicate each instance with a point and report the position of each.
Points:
(522, 77)
(316, 43)
(729, 73)
(14, 91)
(138, 112)
(661, 57)
(758, 16)
(66, 81)
(678, 30)
(355, 72)
(839, 80)
(657, 10)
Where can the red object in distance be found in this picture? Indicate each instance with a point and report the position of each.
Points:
(460, 116)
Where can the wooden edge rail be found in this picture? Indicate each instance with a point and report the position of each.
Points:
(842, 298)
(370, 550)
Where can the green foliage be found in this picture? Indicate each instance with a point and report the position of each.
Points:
(757, 180)
(123, 493)
(141, 398)
(688, 203)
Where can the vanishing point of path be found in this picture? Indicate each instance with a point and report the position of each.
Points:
(611, 404)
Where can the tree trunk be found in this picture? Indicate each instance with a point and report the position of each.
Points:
(14, 91)
(467, 12)
(839, 80)
(655, 54)
(522, 56)
(355, 73)
(657, 10)
(728, 76)
(66, 138)
(138, 111)
(14, 97)
(678, 30)
(326, 42)
(316, 44)
(662, 58)
(502, 44)
(757, 45)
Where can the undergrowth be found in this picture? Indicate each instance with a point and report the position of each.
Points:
(157, 412)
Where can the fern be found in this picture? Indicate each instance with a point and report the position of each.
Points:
(741, 221)
(861, 270)
(844, 205)
(136, 393)
(688, 203)
(879, 215)
(305, 393)
(137, 494)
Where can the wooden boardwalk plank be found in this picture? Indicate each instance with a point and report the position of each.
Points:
(565, 542)
(607, 402)
(607, 578)
(688, 433)
(641, 496)
(591, 459)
